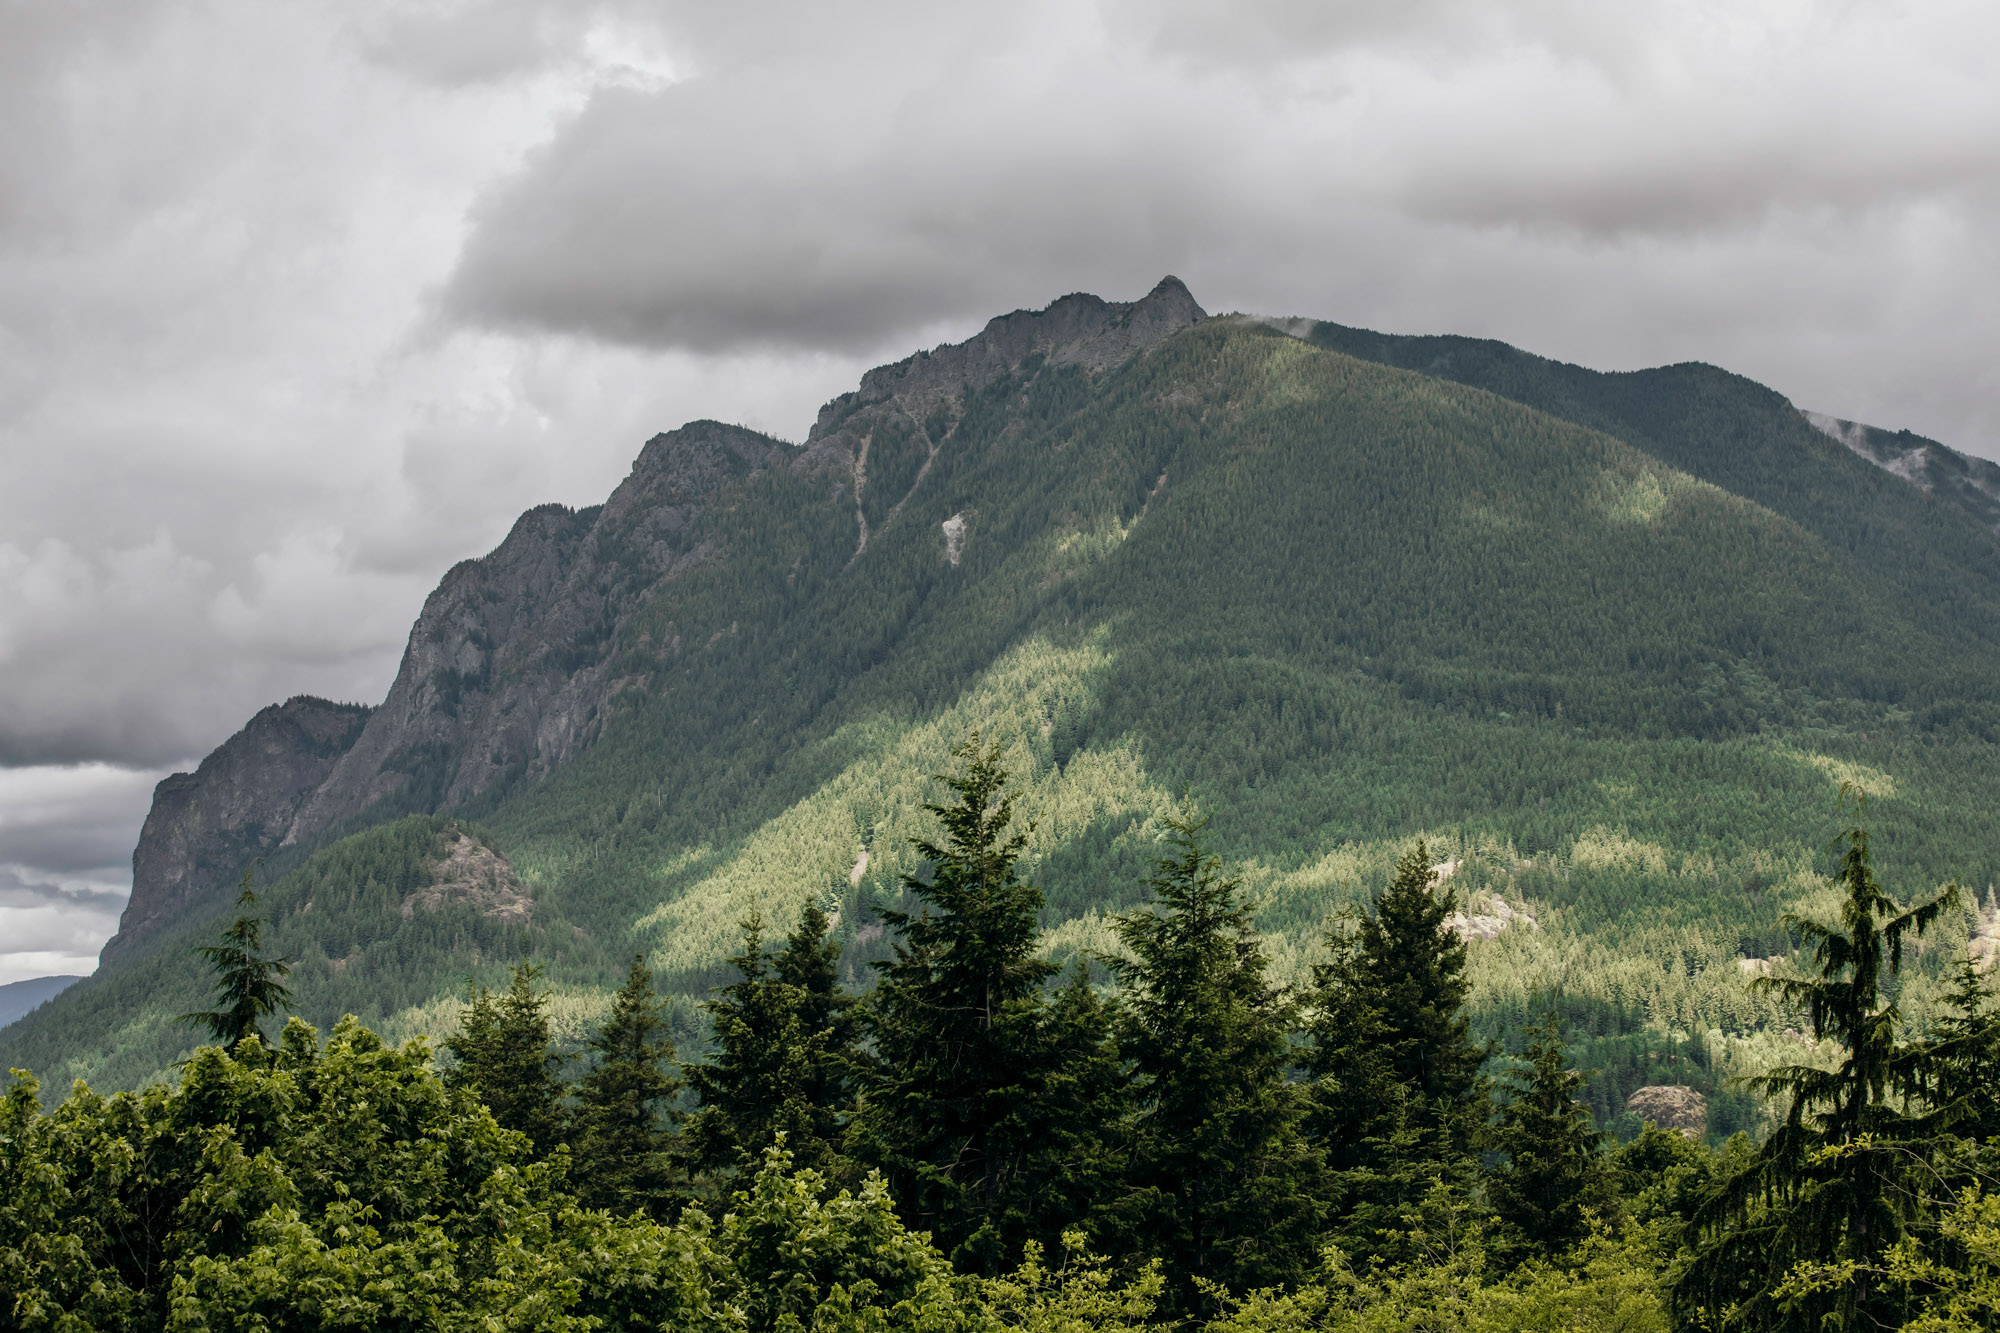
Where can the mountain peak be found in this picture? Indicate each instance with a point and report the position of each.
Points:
(1079, 329)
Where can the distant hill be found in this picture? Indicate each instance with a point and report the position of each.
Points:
(18, 997)
(1613, 644)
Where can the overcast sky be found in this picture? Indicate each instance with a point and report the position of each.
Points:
(302, 302)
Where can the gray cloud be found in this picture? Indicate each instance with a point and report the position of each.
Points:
(65, 863)
(820, 185)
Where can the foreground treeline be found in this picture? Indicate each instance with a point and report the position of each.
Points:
(979, 1143)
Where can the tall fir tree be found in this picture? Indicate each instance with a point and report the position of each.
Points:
(1961, 1060)
(784, 1055)
(503, 1052)
(248, 986)
(1225, 1182)
(1554, 1178)
(624, 1134)
(1795, 1241)
(1399, 1104)
(957, 1020)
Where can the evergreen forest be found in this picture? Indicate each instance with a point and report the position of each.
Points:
(1167, 1136)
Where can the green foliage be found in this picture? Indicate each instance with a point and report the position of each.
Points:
(1553, 1184)
(248, 985)
(801, 1259)
(1224, 1182)
(1850, 1172)
(783, 1057)
(502, 1053)
(1399, 1100)
(949, 1111)
(624, 1141)
(314, 1188)
(1962, 1056)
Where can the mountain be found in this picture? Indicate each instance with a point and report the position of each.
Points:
(1614, 644)
(1972, 484)
(19, 997)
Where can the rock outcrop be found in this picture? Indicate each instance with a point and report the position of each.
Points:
(240, 803)
(506, 675)
(471, 872)
(1672, 1107)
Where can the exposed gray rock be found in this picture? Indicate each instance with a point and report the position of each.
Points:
(206, 825)
(1671, 1106)
(503, 676)
(1078, 330)
(471, 872)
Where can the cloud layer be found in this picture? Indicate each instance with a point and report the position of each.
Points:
(300, 304)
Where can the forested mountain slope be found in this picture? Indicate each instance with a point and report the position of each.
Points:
(1613, 644)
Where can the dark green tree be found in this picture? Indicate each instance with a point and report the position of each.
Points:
(1796, 1239)
(1398, 1102)
(247, 985)
(784, 1053)
(624, 1136)
(502, 1051)
(1961, 1060)
(1554, 1176)
(1225, 1182)
(949, 1113)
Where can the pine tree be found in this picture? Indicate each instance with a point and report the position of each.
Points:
(1554, 1177)
(502, 1052)
(624, 1135)
(956, 1018)
(1227, 1183)
(784, 1051)
(1795, 1240)
(1398, 1102)
(247, 985)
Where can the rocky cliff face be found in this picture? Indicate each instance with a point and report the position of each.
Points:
(506, 674)
(205, 825)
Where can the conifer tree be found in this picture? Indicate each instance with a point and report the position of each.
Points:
(1796, 1240)
(1961, 1061)
(949, 1112)
(784, 1050)
(247, 985)
(1398, 1102)
(624, 1133)
(502, 1052)
(1554, 1177)
(1414, 969)
(1079, 1117)
(1226, 1180)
